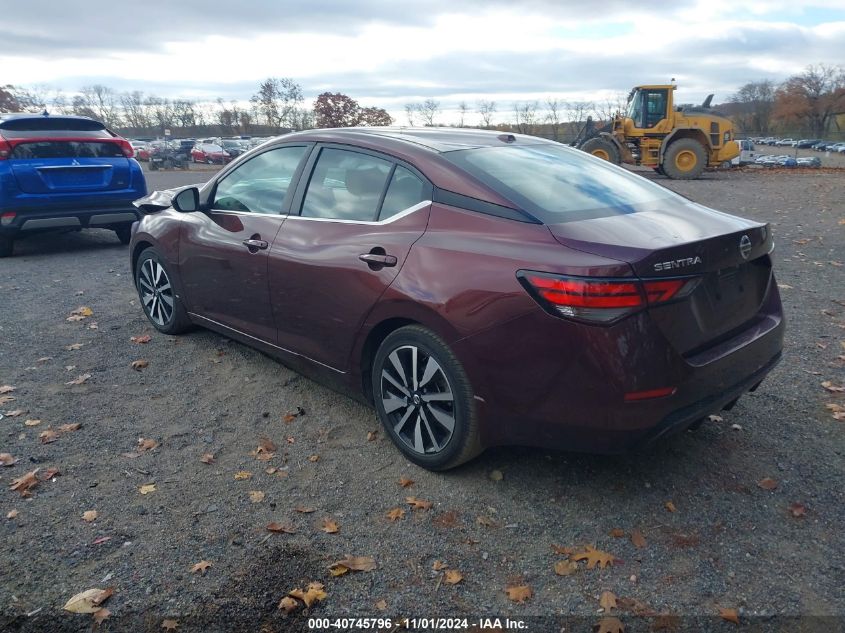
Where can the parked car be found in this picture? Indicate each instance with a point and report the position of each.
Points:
(785, 142)
(141, 149)
(477, 288)
(747, 153)
(809, 161)
(787, 161)
(234, 147)
(209, 153)
(64, 172)
(168, 155)
(806, 143)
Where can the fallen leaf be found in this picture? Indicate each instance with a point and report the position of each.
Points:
(169, 625)
(288, 604)
(330, 526)
(88, 601)
(418, 504)
(381, 605)
(797, 509)
(201, 567)
(100, 615)
(44, 359)
(48, 436)
(496, 475)
(241, 475)
(305, 510)
(281, 528)
(49, 474)
(74, 346)
(147, 489)
(141, 340)
(314, 592)
(12, 514)
(352, 563)
(519, 593)
(32, 422)
(833, 388)
(609, 625)
(89, 515)
(100, 539)
(564, 551)
(15, 413)
(405, 482)
(138, 365)
(565, 567)
(207, 458)
(438, 565)
(6, 459)
(256, 496)
(82, 312)
(617, 533)
(70, 428)
(767, 483)
(715, 418)
(7, 389)
(452, 577)
(731, 615)
(290, 440)
(594, 557)
(266, 445)
(79, 379)
(270, 470)
(6, 399)
(638, 539)
(314, 458)
(291, 416)
(396, 514)
(607, 601)
(671, 506)
(147, 444)
(372, 435)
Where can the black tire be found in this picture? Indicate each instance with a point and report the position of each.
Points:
(419, 419)
(177, 320)
(124, 233)
(604, 148)
(7, 245)
(684, 159)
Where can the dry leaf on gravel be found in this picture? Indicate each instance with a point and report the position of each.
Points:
(418, 504)
(609, 625)
(48, 436)
(7, 389)
(141, 340)
(352, 563)
(314, 592)
(49, 474)
(594, 557)
(15, 413)
(6, 399)
(242, 475)
(381, 605)
(12, 514)
(82, 312)
(79, 379)
(670, 506)
(138, 365)
(767, 483)
(88, 601)
(438, 565)
(396, 514)
(519, 593)
(565, 567)
(730, 615)
(256, 496)
(833, 387)
(453, 577)
(147, 489)
(563, 551)
(305, 509)
(797, 510)
(89, 515)
(207, 458)
(330, 526)
(405, 482)
(101, 615)
(638, 539)
(32, 422)
(281, 528)
(372, 435)
(288, 604)
(201, 567)
(608, 601)
(147, 444)
(617, 533)
(25, 483)
(70, 428)
(313, 458)
(291, 416)
(6, 459)
(169, 625)
(74, 346)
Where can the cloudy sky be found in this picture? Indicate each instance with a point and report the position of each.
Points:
(391, 52)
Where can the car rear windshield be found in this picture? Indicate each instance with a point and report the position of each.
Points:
(558, 184)
(51, 123)
(67, 149)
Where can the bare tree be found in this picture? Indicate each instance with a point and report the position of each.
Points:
(134, 112)
(607, 109)
(554, 108)
(410, 112)
(524, 116)
(428, 110)
(277, 102)
(99, 100)
(463, 108)
(486, 110)
(576, 113)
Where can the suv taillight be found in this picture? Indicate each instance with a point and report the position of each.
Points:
(127, 148)
(601, 300)
(5, 150)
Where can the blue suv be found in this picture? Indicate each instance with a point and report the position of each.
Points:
(65, 172)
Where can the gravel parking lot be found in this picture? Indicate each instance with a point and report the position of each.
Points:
(745, 514)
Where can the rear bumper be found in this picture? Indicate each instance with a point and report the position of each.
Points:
(47, 218)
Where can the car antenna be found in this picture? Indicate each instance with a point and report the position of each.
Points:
(45, 113)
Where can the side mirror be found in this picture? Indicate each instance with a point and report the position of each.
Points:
(187, 200)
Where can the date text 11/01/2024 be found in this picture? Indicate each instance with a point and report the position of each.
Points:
(416, 624)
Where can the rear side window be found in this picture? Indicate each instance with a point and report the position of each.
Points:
(405, 190)
(67, 149)
(558, 184)
(346, 186)
(261, 184)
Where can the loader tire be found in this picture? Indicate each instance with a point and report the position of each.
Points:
(602, 148)
(685, 159)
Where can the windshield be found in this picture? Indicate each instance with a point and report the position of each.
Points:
(634, 105)
(558, 184)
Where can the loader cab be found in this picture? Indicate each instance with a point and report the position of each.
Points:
(648, 106)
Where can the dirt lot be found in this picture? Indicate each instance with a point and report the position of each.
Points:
(729, 543)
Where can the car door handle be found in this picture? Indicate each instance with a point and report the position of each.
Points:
(374, 259)
(255, 244)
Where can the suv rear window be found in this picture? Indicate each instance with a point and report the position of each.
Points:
(67, 149)
(50, 123)
(558, 184)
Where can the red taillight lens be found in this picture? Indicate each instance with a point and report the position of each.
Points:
(5, 150)
(7, 218)
(601, 300)
(127, 148)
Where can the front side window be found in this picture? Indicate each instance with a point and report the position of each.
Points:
(261, 184)
(346, 186)
(655, 107)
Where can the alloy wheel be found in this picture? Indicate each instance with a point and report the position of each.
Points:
(418, 399)
(156, 292)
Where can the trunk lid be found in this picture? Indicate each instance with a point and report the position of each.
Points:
(728, 254)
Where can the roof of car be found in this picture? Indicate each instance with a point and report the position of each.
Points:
(41, 115)
(437, 139)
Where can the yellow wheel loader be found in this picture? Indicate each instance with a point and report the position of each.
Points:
(677, 142)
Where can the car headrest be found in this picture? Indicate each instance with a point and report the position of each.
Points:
(364, 181)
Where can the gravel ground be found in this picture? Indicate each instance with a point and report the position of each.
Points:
(728, 544)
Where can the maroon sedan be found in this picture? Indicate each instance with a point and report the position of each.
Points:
(477, 288)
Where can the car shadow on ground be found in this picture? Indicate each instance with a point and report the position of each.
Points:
(54, 243)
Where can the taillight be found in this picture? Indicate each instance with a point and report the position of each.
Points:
(5, 150)
(127, 148)
(7, 218)
(601, 300)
